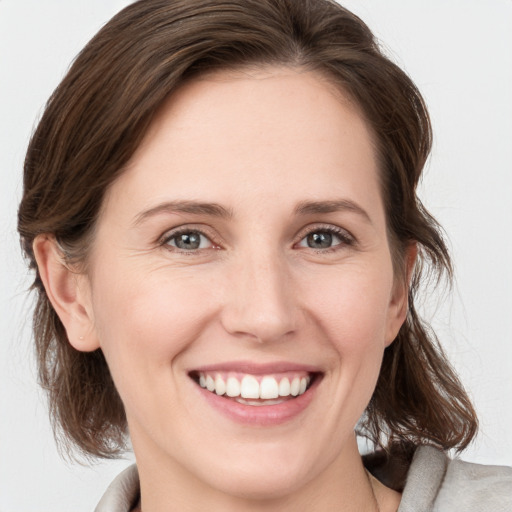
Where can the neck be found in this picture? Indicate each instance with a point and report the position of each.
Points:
(342, 486)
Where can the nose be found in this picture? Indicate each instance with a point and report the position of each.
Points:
(260, 302)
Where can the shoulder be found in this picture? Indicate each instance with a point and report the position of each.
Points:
(468, 486)
(122, 494)
(441, 484)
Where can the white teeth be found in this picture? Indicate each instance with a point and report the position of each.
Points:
(220, 385)
(295, 386)
(232, 387)
(210, 383)
(284, 387)
(303, 385)
(250, 387)
(269, 388)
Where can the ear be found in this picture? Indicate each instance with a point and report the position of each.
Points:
(399, 303)
(69, 293)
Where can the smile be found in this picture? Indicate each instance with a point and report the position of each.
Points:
(258, 395)
(255, 389)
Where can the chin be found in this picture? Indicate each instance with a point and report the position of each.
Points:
(263, 472)
(267, 482)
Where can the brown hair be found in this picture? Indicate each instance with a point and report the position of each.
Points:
(97, 117)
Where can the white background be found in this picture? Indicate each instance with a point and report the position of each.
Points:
(459, 52)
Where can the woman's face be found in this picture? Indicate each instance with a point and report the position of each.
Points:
(244, 250)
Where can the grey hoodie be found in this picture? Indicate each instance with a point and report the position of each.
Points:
(435, 483)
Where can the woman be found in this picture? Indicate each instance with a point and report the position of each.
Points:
(220, 207)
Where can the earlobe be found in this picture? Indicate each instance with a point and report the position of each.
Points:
(399, 304)
(68, 292)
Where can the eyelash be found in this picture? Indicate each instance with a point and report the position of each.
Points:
(168, 236)
(346, 239)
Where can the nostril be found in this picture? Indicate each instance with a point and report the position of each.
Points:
(260, 306)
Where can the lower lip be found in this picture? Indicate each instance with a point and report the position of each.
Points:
(260, 415)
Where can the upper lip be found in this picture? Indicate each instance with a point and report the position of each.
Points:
(253, 368)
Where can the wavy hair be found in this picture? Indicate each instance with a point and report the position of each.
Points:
(97, 117)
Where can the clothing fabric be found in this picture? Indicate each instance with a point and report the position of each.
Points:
(434, 483)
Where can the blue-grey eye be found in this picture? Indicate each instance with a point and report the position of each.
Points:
(320, 240)
(189, 241)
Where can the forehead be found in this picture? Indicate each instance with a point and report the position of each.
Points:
(253, 97)
(241, 135)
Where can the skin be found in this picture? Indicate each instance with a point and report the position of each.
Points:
(258, 143)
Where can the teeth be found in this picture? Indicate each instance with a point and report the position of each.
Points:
(284, 387)
(210, 383)
(232, 387)
(250, 388)
(220, 385)
(295, 386)
(303, 385)
(269, 388)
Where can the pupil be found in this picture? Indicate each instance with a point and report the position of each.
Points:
(319, 240)
(188, 241)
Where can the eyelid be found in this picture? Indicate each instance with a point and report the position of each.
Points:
(168, 235)
(347, 239)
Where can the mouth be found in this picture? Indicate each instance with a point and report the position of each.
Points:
(254, 389)
(259, 396)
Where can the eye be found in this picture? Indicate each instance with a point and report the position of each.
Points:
(188, 240)
(326, 238)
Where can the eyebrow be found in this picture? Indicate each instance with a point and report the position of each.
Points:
(192, 207)
(316, 207)
(216, 210)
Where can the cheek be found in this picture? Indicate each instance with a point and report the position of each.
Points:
(144, 324)
(352, 306)
(147, 319)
